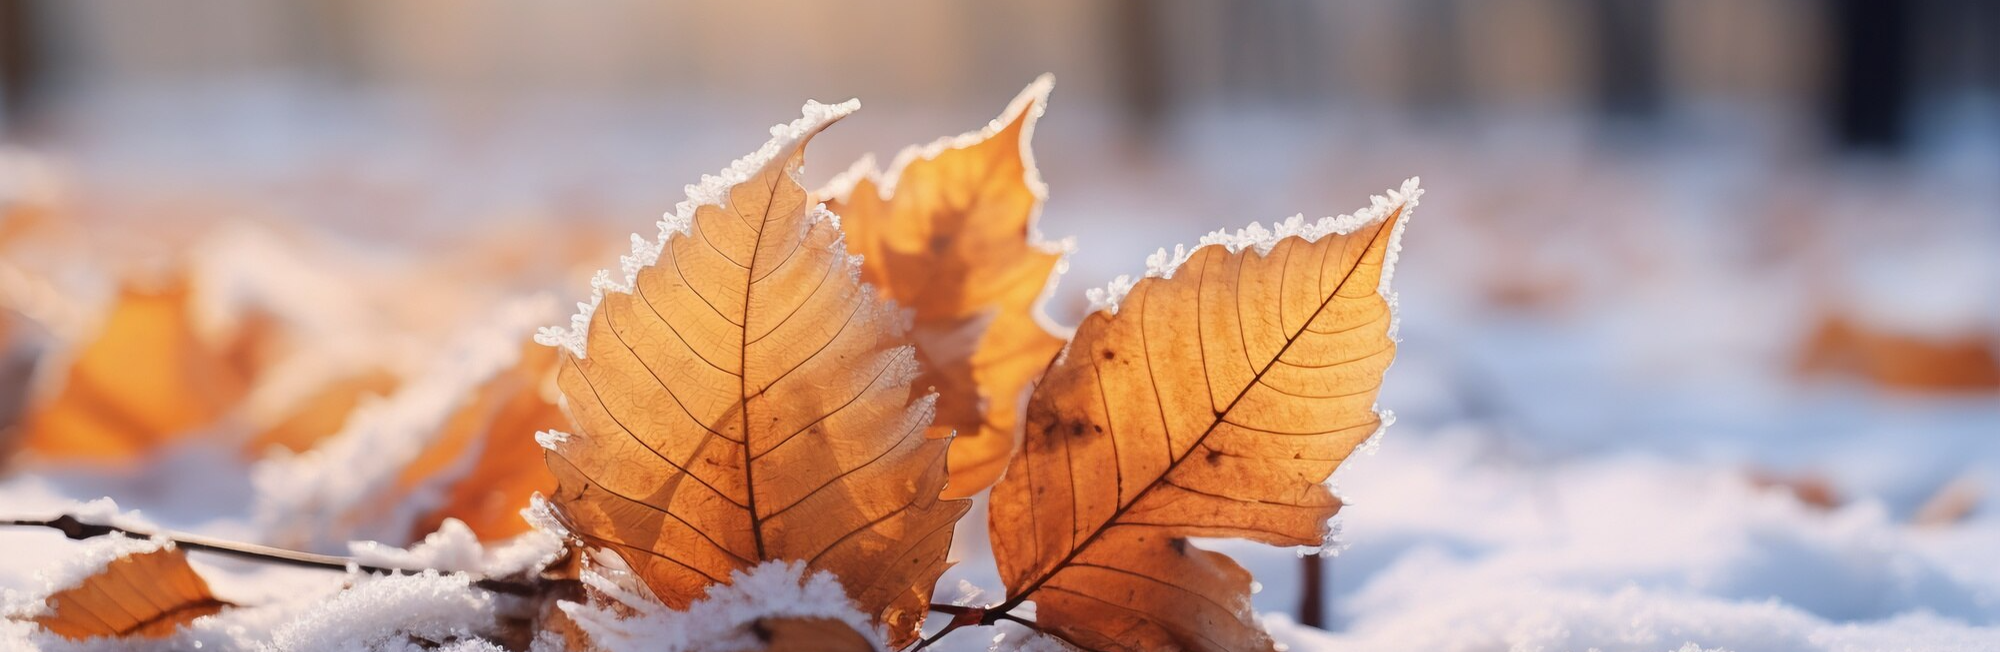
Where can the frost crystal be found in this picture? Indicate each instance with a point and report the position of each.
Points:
(718, 622)
(386, 613)
(712, 191)
(1163, 264)
(1033, 99)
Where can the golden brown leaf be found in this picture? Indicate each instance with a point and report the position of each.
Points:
(501, 419)
(146, 378)
(744, 398)
(949, 233)
(322, 413)
(1967, 362)
(147, 595)
(1214, 402)
(808, 635)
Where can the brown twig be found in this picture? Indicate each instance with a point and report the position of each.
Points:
(79, 530)
(1312, 594)
(966, 616)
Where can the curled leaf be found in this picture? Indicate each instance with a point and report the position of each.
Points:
(145, 594)
(1214, 402)
(949, 232)
(495, 431)
(743, 397)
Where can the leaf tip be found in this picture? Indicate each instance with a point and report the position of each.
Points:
(1399, 202)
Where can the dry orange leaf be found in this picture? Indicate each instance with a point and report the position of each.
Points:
(1969, 362)
(147, 595)
(949, 233)
(501, 419)
(322, 413)
(146, 378)
(808, 635)
(743, 397)
(1214, 402)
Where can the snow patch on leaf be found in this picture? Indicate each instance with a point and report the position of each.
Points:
(96, 554)
(637, 622)
(105, 511)
(713, 190)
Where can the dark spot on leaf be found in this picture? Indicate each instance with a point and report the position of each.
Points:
(1179, 545)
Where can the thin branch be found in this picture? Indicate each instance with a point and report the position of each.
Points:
(966, 616)
(961, 616)
(955, 609)
(75, 528)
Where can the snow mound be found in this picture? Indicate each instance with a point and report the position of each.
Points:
(382, 614)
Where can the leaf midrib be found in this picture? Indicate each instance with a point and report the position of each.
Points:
(1220, 416)
(743, 350)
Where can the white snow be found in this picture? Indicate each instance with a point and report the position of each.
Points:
(454, 547)
(713, 190)
(381, 614)
(719, 622)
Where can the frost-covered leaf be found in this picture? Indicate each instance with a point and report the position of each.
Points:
(1215, 402)
(949, 232)
(486, 463)
(143, 589)
(146, 378)
(456, 441)
(322, 413)
(741, 397)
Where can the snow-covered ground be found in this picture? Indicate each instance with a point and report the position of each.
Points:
(1596, 382)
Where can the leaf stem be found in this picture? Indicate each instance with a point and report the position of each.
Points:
(963, 616)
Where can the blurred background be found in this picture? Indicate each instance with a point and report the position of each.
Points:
(1666, 243)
